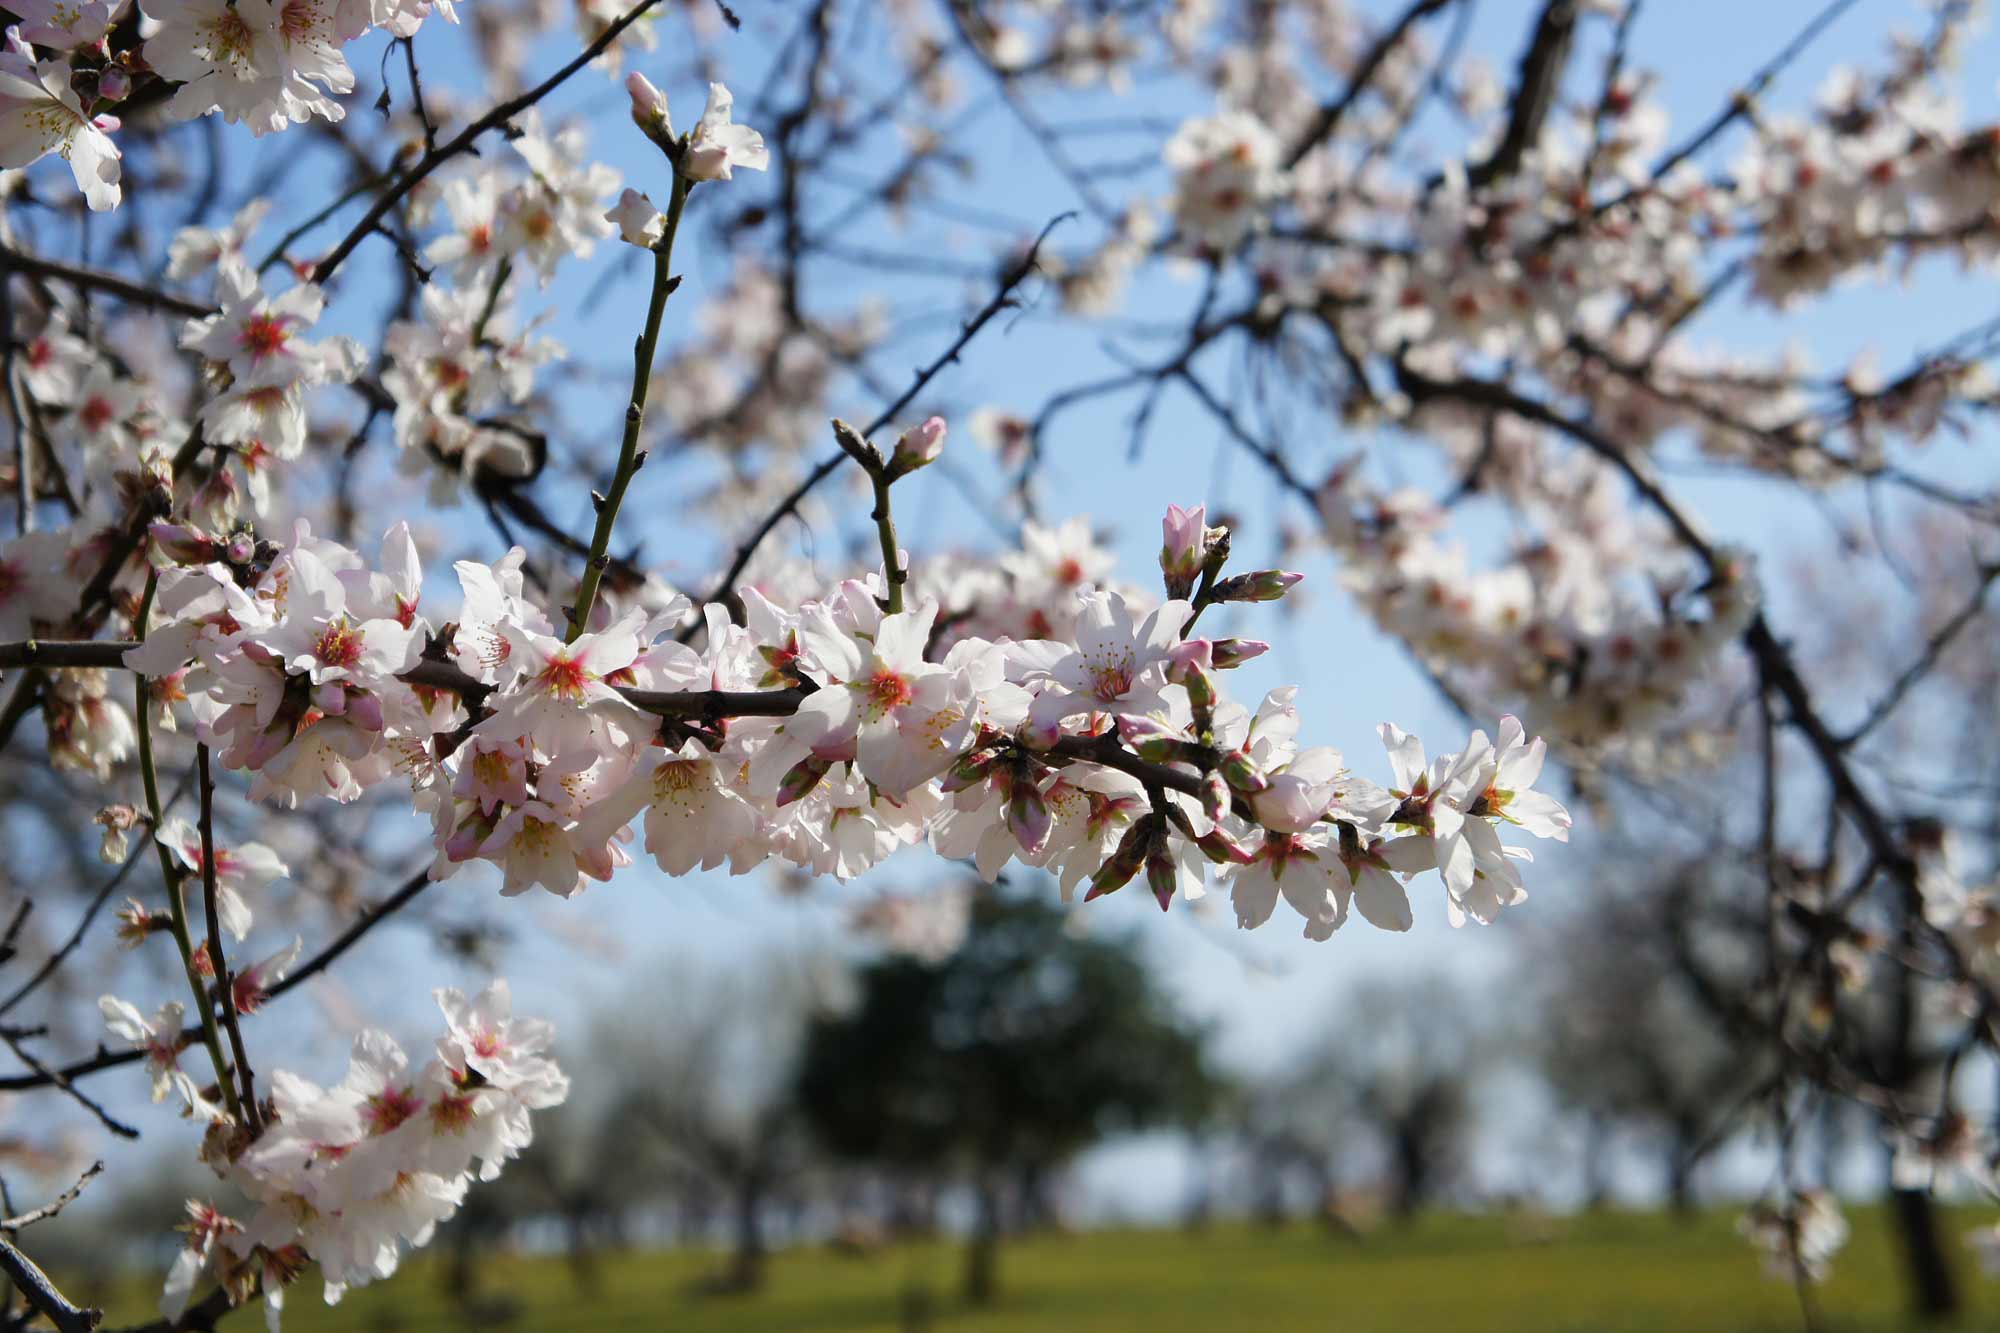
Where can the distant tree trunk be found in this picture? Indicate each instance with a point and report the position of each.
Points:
(982, 1252)
(1681, 1147)
(1933, 1291)
(580, 1254)
(1412, 1184)
(461, 1273)
(746, 1261)
(1596, 1161)
(1269, 1167)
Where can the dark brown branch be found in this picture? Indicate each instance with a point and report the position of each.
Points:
(91, 279)
(201, 1317)
(348, 938)
(45, 1076)
(33, 1283)
(1331, 114)
(7, 940)
(1740, 103)
(1880, 833)
(1535, 89)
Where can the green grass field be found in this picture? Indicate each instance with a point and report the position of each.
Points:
(1613, 1274)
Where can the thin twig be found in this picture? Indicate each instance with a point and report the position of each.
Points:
(462, 142)
(53, 1206)
(224, 984)
(1003, 299)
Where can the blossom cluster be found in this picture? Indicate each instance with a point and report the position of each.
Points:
(1594, 621)
(1027, 709)
(262, 64)
(1573, 260)
(344, 1176)
(827, 732)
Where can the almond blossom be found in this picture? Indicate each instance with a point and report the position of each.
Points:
(242, 869)
(718, 145)
(40, 114)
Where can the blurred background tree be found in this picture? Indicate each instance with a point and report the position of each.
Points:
(1002, 1062)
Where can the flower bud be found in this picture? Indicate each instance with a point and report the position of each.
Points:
(917, 446)
(802, 778)
(649, 107)
(1028, 818)
(1161, 875)
(1124, 863)
(1222, 849)
(1264, 585)
(1214, 797)
(1183, 547)
(1227, 653)
(114, 84)
(1242, 773)
(969, 771)
(1189, 657)
(474, 828)
(180, 544)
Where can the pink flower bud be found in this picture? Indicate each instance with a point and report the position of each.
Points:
(1264, 585)
(181, 544)
(114, 84)
(1214, 798)
(1028, 818)
(802, 778)
(364, 710)
(1137, 728)
(1242, 773)
(1183, 547)
(1235, 652)
(248, 991)
(1222, 849)
(476, 827)
(1160, 875)
(917, 446)
(969, 771)
(1124, 863)
(1189, 657)
(649, 105)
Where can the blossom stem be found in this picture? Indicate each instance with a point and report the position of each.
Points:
(629, 455)
(500, 276)
(224, 984)
(885, 527)
(870, 458)
(177, 903)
